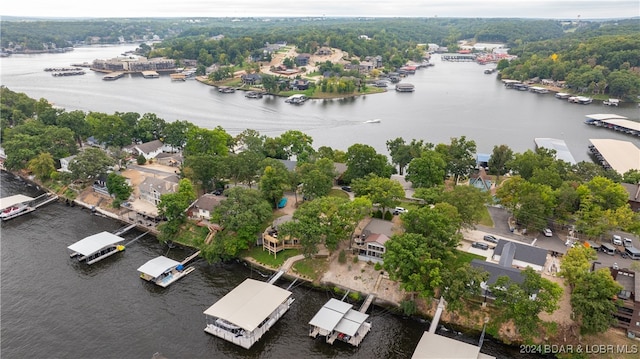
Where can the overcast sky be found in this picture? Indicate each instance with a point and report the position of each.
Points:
(556, 9)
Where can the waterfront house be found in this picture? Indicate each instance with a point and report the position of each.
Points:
(65, 162)
(373, 248)
(152, 188)
(148, 149)
(204, 206)
(274, 244)
(628, 314)
(300, 84)
(251, 79)
(519, 255)
(324, 51)
(496, 270)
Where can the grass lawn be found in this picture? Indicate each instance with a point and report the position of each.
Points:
(338, 193)
(465, 257)
(265, 258)
(311, 267)
(192, 235)
(486, 218)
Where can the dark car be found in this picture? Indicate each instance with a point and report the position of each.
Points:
(490, 238)
(480, 245)
(346, 188)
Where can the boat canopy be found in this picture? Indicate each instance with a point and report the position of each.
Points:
(157, 266)
(330, 314)
(248, 304)
(94, 243)
(351, 322)
(605, 116)
(13, 200)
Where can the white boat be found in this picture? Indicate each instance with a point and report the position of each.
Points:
(163, 271)
(296, 99)
(14, 206)
(563, 95)
(375, 120)
(253, 94)
(582, 100)
(611, 102)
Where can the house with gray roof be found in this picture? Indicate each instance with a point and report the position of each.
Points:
(628, 314)
(149, 149)
(519, 255)
(634, 195)
(204, 206)
(152, 188)
(496, 271)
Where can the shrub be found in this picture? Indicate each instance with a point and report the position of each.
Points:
(378, 266)
(355, 259)
(342, 257)
(141, 160)
(408, 307)
(388, 216)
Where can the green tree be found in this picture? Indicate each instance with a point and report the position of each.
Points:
(42, 166)
(298, 144)
(173, 207)
(118, 187)
(603, 207)
(498, 161)
(363, 160)
(440, 223)
(274, 180)
(523, 302)
(576, 263)
(90, 164)
(469, 201)
(383, 191)
(461, 157)
(207, 171)
(428, 170)
(593, 302)
(175, 133)
(462, 284)
(76, 122)
(316, 181)
(202, 141)
(112, 130)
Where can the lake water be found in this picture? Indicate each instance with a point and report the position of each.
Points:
(451, 100)
(53, 307)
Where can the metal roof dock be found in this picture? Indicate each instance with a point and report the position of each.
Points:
(247, 312)
(96, 247)
(562, 151)
(337, 320)
(614, 122)
(163, 271)
(618, 155)
(11, 201)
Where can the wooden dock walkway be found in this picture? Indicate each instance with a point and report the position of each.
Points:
(285, 267)
(367, 303)
(190, 258)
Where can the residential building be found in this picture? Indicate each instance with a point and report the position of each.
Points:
(148, 149)
(373, 248)
(251, 79)
(634, 195)
(152, 188)
(628, 314)
(274, 244)
(303, 59)
(519, 255)
(496, 271)
(65, 162)
(204, 206)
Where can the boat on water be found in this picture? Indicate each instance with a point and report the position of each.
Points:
(226, 89)
(562, 95)
(14, 206)
(405, 87)
(163, 271)
(96, 247)
(375, 120)
(253, 94)
(611, 102)
(296, 99)
(582, 100)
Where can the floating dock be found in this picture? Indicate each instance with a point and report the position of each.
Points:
(558, 145)
(113, 76)
(15, 206)
(621, 156)
(337, 320)
(246, 313)
(96, 247)
(150, 74)
(163, 271)
(614, 122)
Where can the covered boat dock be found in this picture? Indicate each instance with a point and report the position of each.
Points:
(163, 271)
(246, 313)
(621, 156)
(14, 206)
(561, 148)
(337, 320)
(614, 122)
(96, 247)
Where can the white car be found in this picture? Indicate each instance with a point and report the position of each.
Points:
(547, 232)
(399, 210)
(617, 240)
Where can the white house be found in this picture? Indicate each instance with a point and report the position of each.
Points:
(152, 188)
(204, 206)
(65, 162)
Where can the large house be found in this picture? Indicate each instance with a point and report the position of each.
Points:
(634, 195)
(371, 244)
(520, 255)
(303, 59)
(274, 244)
(152, 188)
(204, 206)
(148, 149)
(628, 314)
(496, 270)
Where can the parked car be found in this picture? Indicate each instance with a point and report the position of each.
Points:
(490, 238)
(547, 232)
(617, 240)
(480, 245)
(627, 242)
(399, 210)
(346, 188)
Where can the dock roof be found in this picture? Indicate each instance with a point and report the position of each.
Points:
(561, 148)
(330, 314)
(248, 304)
(632, 125)
(351, 322)
(432, 346)
(157, 266)
(606, 116)
(622, 156)
(94, 243)
(13, 200)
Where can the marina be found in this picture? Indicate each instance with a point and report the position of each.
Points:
(246, 313)
(614, 122)
(620, 156)
(163, 271)
(96, 247)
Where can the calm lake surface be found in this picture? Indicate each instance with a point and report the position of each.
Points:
(451, 100)
(53, 307)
